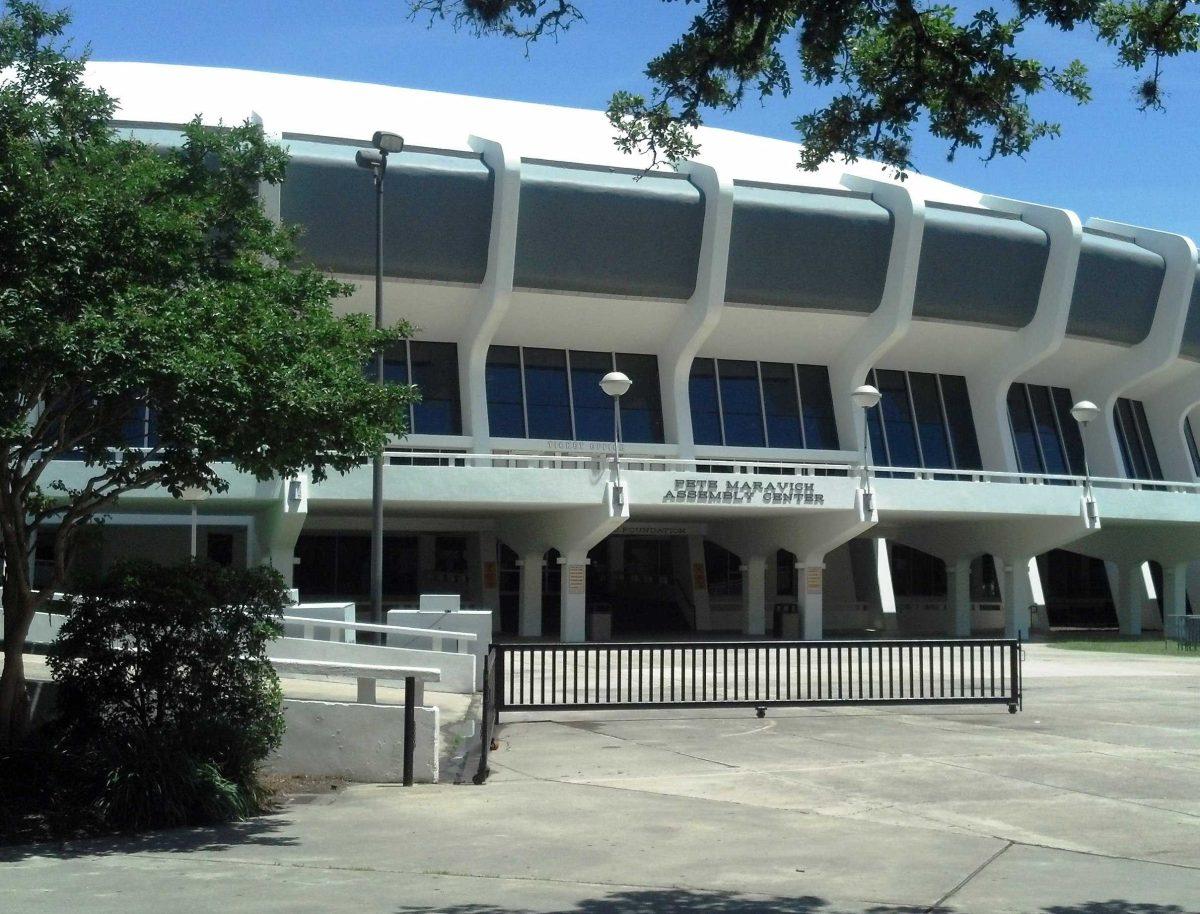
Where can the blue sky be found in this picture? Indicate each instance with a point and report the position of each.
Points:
(1112, 160)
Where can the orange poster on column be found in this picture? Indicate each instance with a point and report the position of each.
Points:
(698, 581)
(490, 579)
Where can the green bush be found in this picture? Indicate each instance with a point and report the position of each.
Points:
(168, 703)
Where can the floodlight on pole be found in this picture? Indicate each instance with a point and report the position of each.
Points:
(616, 384)
(193, 495)
(1084, 412)
(866, 397)
(375, 160)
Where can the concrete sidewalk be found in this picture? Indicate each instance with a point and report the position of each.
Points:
(1088, 802)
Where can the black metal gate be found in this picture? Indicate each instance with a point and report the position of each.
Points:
(757, 674)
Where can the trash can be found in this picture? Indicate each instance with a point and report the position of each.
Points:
(600, 625)
(789, 623)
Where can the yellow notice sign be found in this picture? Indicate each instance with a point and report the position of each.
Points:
(814, 580)
(576, 578)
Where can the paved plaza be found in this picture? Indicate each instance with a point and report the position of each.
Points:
(1087, 802)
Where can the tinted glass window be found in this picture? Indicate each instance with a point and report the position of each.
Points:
(816, 404)
(641, 407)
(1147, 441)
(961, 422)
(1191, 443)
(879, 452)
(593, 407)
(435, 372)
(740, 403)
(547, 400)
(1072, 439)
(781, 405)
(395, 364)
(506, 415)
(898, 420)
(706, 414)
(1028, 457)
(1131, 451)
(1047, 430)
(935, 444)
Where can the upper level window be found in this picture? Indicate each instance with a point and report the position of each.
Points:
(1133, 435)
(1045, 435)
(923, 420)
(433, 367)
(1191, 443)
(555, 394)
(756, 404)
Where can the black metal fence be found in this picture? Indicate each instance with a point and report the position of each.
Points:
(757, 674)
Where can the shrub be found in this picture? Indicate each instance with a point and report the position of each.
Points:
(168, 702)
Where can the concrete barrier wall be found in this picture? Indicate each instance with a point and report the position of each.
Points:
(336, 612)
(357, 742)
(458, 670)
(476, 621)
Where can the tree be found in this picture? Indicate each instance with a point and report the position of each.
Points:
(896, 64)
(135, 279)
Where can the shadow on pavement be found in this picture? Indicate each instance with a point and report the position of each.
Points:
(684, 901)
(263, 831)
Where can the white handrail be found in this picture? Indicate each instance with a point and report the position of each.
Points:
(385, 629)
(636, 464)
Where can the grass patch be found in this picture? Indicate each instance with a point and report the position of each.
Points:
(1112, 643)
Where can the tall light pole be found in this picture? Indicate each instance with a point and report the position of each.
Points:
(865, 398)
(376, 160)
(1084, 412)
(616, 384)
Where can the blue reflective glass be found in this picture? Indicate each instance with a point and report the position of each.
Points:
(962, 424)
(435, 372)
(781, 405)
(702, 392)
(506, 413)
(741, 406)
(816, 404)
(935, 445)
(395, 365)
(547, 399)
(1072, 439)
(641, 407)
(1047, 431)
(593, 407)
(879, 454)
(1028, 457)
(898, 420)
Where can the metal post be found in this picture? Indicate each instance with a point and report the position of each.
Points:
(410, 727)
(377, 467)
(195, 521)
(617, 439)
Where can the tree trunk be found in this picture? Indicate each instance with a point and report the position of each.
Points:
(14, 696)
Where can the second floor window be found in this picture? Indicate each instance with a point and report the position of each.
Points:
(923, 420)
(555, 394)
(433, 367)
(761, 404)
(1045, 434)
(1133, 435)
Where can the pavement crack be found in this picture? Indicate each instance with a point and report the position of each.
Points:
(937, 905)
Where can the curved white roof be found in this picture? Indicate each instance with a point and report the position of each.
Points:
(168, 93)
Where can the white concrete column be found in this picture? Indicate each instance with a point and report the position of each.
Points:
(988, 383)
(888, 323)
(811, 588)
(698, 582)
(703, 311)
(889, 621)
(1131, 596)
(1174, 589)
(573, 624)
(495, 292)
(1140, 364)
(529, 624)
(489, 575)
(278, 528)
(1017, 597)
(754, 595)
(958, 597)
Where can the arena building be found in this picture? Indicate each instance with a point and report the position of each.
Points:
(746, 300)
